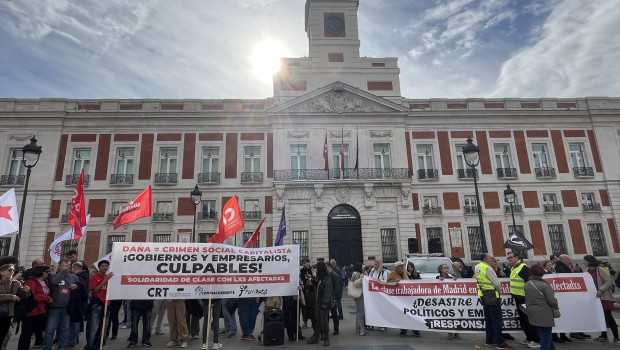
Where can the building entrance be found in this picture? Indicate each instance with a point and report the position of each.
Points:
(345, 235)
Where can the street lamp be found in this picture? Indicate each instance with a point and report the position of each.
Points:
(472, 158)
(196, 199)
(30, 157)
(509, 195)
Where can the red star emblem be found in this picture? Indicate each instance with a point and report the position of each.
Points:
(4, 212)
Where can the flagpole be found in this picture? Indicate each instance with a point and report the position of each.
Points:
(102, 323)
(209, 321)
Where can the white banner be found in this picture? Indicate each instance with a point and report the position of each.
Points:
(454, 306)
(56, 246)
(201, 270)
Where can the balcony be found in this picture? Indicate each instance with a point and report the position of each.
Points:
(207, 215)
(64, 219)
(583, 172)
(208, 178)
(503, 173)
(470, 210)
(251, 215)
(517, 208)
(252, 177)
(337, 174)
(166, 178)
(121, 179)
(466, 173)
(112, 217)
(591, 207)
(13, 180)
(73, 179)
(552, 208)
(428, 174)
(162, 217)
(545, 173)
(431, 211)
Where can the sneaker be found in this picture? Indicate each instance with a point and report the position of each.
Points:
(131, 345)
(223, 332)
(159, 332)
(204, 346)
(185, 344)
(533, 345)
(403, 334)
(147, 344)
(124, 326)
(244, 337)
(312, 340)
(524, 342)
(232, 335)
(217, 346)
(601, 339)
(504, 346)
(361, 333)
(416, 333)
(172, 343)
(250, 337)
(457, 336)
(616, 341)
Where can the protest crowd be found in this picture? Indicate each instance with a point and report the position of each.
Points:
(46, 307)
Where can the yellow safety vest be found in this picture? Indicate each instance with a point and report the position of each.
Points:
(517, 284)
(483, 281)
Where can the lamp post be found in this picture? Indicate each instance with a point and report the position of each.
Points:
(472, 158)
(509, 195)
(196, 199)
(30, 157)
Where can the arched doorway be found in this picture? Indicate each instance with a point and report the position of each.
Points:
(345, 235)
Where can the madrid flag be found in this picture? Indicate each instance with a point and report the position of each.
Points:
(77, 214)
(230, 222)
(9, 220)
(139, 207)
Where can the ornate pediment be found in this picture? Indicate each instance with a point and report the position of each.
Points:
(338, 98)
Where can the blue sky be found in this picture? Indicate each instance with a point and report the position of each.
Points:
(204, 48)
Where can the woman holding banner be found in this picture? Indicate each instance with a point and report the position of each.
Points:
(542, 306)
(603, 284)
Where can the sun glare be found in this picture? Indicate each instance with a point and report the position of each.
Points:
(266, 59)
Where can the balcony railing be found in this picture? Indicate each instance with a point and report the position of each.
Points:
(517, 208)
(209, 178)
(583, 172)
(14, 180)
(207, 215)
(471, 210)
(73, 179)
(591, 207)
(121, 179)
(428, 174)
(544, 172)
(112, 217)
(552, 208)
(162, 217)
(251, 215)
(337, 174)
(252, 177)
(466, 173)
(432, 210)
(166, 178)
(506, 173)
(64, 219)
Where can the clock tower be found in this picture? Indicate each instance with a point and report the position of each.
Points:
(331, 27)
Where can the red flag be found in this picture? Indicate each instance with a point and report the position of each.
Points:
(139, 207)
(230, 222)
(254, 237)
(77, 213)
(342, 152)
(325, 154)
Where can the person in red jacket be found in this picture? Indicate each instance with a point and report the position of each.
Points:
(35, 319)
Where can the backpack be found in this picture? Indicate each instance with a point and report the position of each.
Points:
(24, 305)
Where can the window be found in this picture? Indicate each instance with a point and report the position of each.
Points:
(301, 238)
(124, 160)
(208, 210)
(382, 160)
(463, 170)
(597, 240)
(112, 239)
(81, 160)
(66, 246)
(557, 240)
(550, 203)
(168, 160)
(163, 212)
(388, 245)
(298, 161)
(542, 164)
(210, 159)
(426, 164)
(588, 202)
(246, 238)
(251, 210)
(477, 242)
(117, 207)
(431, 205)
(251, 158)
(16, 166)
(5, 242)
(161, 238)
(336, 155)
(435, 240)
(64, 218)
(470, 205)
(577, 156)
(204, 237)
(502, 161)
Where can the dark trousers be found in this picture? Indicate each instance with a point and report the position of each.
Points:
(216, 305)
(136, 315)
(544, 334)
(493, 323)
(289, 308)
(335, 318)
(611, 323)
(31, 325)
(321, 326)
(531, 332)
(113, 310)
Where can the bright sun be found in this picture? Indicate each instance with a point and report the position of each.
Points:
(266, 59)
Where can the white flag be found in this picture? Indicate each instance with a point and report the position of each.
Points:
(56, 248)
(9, 219)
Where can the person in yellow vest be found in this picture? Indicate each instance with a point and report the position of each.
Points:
(519, 275)
(487, 280)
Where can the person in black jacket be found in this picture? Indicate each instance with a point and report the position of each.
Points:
(323, 301)
(337, 295)
(562, 265)
(77, 303)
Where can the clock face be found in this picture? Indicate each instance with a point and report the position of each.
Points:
(334, 25)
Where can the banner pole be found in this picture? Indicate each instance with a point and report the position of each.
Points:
(209, 321)
(102, 323)
(297, 320)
